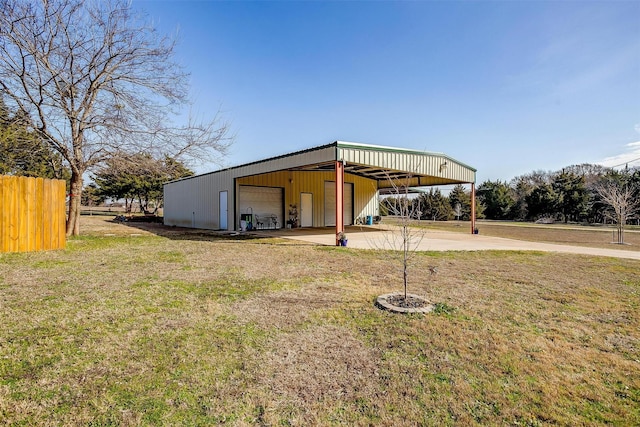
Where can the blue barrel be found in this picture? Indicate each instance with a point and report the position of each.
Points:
(369, 220)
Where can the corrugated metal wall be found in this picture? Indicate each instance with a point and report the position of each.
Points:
(365, 201)
(420, 164)
(195, 202)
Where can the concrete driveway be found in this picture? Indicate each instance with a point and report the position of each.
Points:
(375, 237)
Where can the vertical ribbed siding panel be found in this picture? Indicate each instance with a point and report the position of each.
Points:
(427, 164)
(194, 202)
(176, 202)
(365, 201)
(286, 162)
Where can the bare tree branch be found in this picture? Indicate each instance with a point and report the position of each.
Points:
(622, 204)
(403, 237)
(96, 79)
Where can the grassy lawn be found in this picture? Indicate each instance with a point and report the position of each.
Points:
(192, 329)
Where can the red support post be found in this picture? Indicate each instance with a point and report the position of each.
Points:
(339, 199)
(473, 208)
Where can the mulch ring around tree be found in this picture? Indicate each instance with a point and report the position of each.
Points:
(397, 303)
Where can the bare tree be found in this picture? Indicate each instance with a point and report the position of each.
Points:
(94, 78)
(403, 237)
(621, 202)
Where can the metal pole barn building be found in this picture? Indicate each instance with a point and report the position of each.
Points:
(300, 188)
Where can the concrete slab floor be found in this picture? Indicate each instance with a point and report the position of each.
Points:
(377, 237)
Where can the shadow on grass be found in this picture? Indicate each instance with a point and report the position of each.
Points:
(194, 234)
(279, 236)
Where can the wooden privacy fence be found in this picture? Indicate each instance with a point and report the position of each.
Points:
(32, 214)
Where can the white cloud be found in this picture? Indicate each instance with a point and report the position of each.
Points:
(632, 156)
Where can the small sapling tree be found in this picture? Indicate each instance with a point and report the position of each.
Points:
(621, 204)
(403, 236)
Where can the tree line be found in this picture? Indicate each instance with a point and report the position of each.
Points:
(585, 193)
(431, 205)
(579, 193)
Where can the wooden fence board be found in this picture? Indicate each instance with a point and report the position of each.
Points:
(30, 187)
(32, 214)
(22, 219)
(61, 213)
(48, 213)
(14, 218)
(59, 193)
(4, 212)
(39, 212)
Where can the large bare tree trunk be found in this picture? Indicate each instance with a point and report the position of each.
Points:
(73, 220)
(94, 80)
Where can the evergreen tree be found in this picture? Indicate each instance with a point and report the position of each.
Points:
(91, 196)
(434, 206)
(497, 199)
(139, 176)
(572, 195)
(22, 153)
(522, 188)
(460, 201)
(542, 202)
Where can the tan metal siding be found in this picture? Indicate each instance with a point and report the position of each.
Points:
(280, 164)
(365, 201)
(348, 217)
(195, 202)
(420, 164)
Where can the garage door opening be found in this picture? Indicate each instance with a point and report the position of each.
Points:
(330, 203)
(265, 204)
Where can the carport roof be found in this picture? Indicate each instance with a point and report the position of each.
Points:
(387, 164)
(380, 163)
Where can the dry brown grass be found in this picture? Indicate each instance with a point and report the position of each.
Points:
(590, 236)
(191, 329)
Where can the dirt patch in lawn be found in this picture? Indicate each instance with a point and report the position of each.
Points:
(286, 309)
(319, 364)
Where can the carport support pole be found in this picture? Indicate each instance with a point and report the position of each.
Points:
(473, 208)
(339, 199)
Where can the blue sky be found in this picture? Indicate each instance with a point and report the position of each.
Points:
(506, 87)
